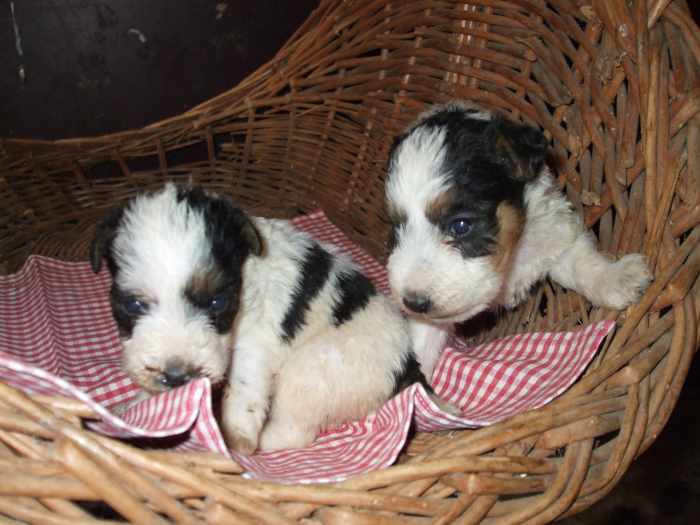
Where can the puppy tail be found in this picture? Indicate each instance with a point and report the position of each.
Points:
(411, 373)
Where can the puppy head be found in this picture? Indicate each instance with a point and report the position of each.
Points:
(176, 258)
(455, 195)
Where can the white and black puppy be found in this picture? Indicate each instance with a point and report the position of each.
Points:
(478, 219)
(292, 327)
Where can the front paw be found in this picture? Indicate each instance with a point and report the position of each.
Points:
(241, 425)
(239, 442)
(285, 434)
(627, 280)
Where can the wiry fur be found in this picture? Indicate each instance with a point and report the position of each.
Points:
(308, 344)
(323, 374)
(460, 166)
(153, 251)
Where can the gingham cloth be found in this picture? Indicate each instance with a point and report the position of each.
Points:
(57, 337)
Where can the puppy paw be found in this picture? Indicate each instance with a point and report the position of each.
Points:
(241, 443)
(625, 282)
(241, 426)
(280, 436)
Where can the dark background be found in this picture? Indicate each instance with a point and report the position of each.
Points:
(88, 72)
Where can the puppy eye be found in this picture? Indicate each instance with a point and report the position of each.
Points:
(135, 306)
(459, 227)
(218, 303)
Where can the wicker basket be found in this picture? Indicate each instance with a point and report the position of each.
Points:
(615, 85)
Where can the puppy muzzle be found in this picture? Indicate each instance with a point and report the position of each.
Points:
(177, 373)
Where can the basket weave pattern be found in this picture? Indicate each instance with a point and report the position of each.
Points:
(615, 85)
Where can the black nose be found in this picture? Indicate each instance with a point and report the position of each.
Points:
(417, 303)
(175, 375)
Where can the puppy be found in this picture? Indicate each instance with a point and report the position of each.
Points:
(478, 219)
(296, 333)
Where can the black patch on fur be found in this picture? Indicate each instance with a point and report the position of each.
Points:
(313, 274)
(488, 162)
(101, 249)
(408, 374)
(393, 238)
(125, 320)
(233, 239)
(355, 291)
(201, 299)
(101, 245)
(233, 236)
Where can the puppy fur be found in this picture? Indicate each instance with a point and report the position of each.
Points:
(296, 333)
(478, 219)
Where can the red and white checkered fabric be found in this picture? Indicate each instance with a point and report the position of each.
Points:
(57, 337)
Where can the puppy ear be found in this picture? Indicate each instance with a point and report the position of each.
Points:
(524, 146)
(105, 232)
(230, 228)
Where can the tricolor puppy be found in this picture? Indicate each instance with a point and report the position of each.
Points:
(478, 219)
(292, 327)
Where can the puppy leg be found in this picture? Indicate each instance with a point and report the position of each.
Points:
(288, 428)
(291, 424)
(554, 242)
(246, 401)
(613, 284)
(302, 399)
(428, 340)
(339, 376)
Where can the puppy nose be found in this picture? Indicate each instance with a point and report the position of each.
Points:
(417, 303)
(175, 374)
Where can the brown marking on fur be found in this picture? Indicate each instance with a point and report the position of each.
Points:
(505, 147)
(146, 378)
(510, 226)
(204, 283)
(441, 205)
(144, 297)
(140, 295)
